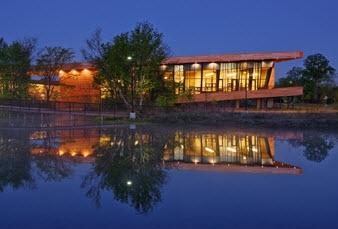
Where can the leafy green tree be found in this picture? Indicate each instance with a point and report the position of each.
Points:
(130, 59)
(316, 76)
(15, 63)
(293, 78)
(50, 61)
(317, 71)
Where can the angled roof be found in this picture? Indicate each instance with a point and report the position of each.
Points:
(258, 56)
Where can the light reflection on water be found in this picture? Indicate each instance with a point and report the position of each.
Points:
(136, 168)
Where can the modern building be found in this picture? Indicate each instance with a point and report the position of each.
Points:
(208, 78)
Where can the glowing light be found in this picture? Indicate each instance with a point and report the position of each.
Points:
(85, 153)
(73, 72)
(231, 149)
(129, 183)
(182, 146)
(195, 66)
(212, 161)
(73, 153)
(195, 161)
(244, 157)
(231, 74)
(129, 58)
(136, 142)
(210, 74)
(212, 65)
(209, 150)
(61, 152)
(86, 71)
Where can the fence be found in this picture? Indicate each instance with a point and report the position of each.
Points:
(119, 110)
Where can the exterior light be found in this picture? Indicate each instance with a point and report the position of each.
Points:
(73, 154)
(129, 183)
(85, 153)
(195, 66)
(212, 161)
(244, 157)
(136, 142)
(182, 146)
(61, 152)
(166, 77)
(129, 58)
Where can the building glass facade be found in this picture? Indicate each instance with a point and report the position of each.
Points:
(221, 148)
(218, 77)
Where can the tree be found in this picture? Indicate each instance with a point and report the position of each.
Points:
(317, 71)
(316, 147)
(129, 63)
(15, 62)
(50, 61)
(316, 76)
(293, 78)
(130, 167)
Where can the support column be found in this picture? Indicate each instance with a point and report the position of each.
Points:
(237, 104)
(258, 104)
(269, 103)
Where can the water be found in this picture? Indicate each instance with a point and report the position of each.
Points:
(167, 177)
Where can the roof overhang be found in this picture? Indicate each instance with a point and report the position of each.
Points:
(259, 56)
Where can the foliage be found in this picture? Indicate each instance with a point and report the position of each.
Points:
(129, 167)
(50, 61)
(130, 59)
(15, 62)
(316, 76)
(188, 94)
(315, 146)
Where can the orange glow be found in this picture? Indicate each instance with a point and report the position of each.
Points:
(85, 153)
(61, 152)
(74, 72)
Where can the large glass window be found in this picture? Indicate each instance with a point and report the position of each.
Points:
(179, 78)
(224, 77)
(193, 77)
(209, 79)
(229, 75)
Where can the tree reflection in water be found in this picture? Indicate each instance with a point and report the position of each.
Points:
(316, 147)
(132, 164)
(129, 166)
(19, 166)
(15, 166)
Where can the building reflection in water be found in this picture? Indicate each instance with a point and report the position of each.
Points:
(226, 152)
(242, 152)
(133, 164)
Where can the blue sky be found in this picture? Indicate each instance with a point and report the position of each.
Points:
(190, 27)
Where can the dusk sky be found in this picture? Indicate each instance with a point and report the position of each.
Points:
(190, 26)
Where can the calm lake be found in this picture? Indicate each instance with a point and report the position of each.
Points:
(157, 176)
